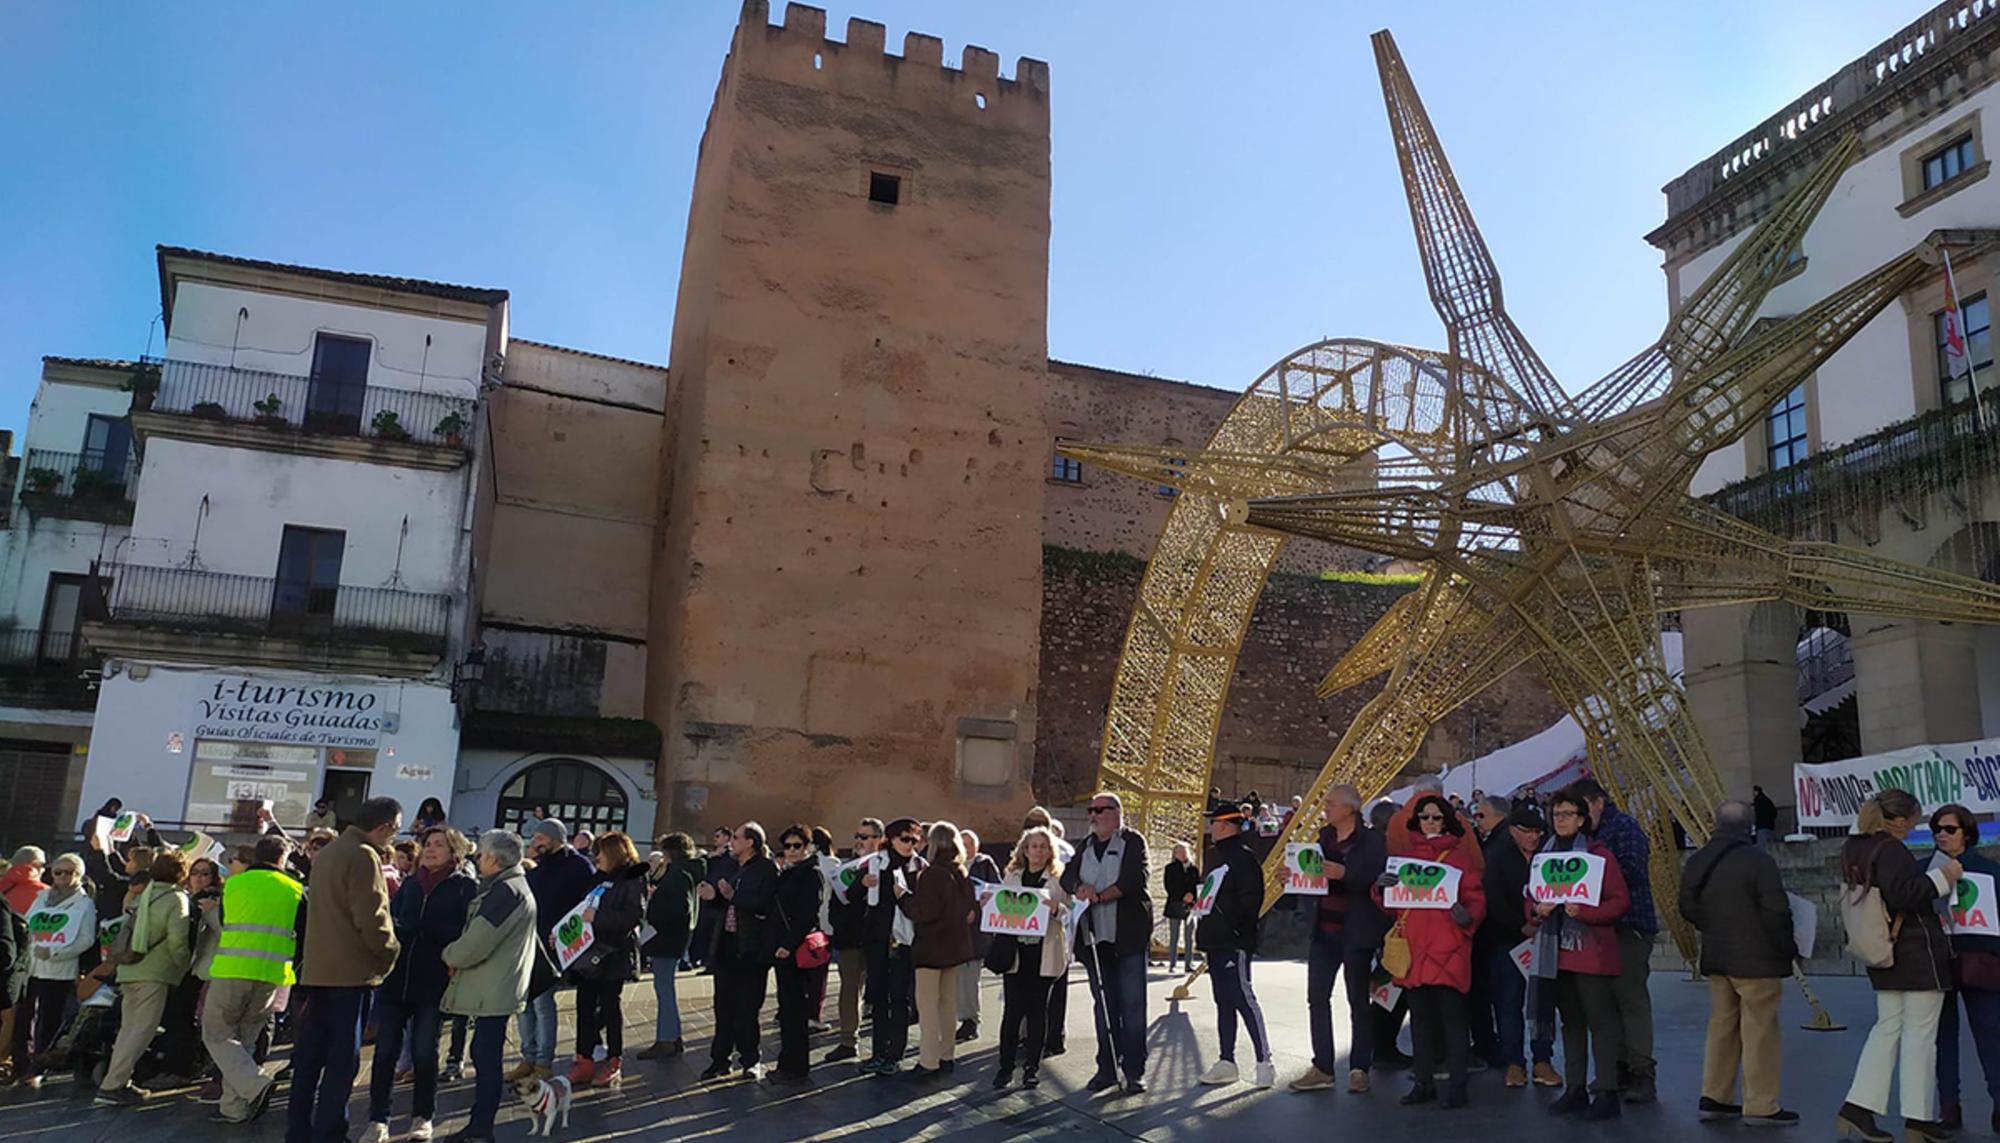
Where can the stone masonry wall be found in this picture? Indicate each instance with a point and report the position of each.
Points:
(1275, 734)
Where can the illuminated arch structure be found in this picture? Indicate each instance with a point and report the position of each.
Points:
(1554, 529)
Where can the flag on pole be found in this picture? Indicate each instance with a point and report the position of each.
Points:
(1957, 356)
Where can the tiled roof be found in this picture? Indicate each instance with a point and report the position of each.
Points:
(97, 363)
(478, 294)
(583, 353)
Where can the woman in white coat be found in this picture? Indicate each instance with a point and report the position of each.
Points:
(62, 924)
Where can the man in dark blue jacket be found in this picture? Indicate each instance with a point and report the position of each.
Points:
(1348, 927)
(560, 880)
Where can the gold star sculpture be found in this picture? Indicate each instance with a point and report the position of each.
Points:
(1554, 530)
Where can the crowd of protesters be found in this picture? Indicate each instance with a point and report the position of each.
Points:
(141, 967)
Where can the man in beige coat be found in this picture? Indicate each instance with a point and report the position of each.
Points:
(350, 947)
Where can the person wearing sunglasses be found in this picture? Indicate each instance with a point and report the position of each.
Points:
(1111, 874)
(1584, 939)
(800, 891)
(848, 919)
(887, 934)
(1439, 972)
(741, 958)
(1975, 969)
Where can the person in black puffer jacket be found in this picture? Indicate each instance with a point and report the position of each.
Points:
(892, 974)
(1910, 990)
(611, 960)
(1227, 937)
(428, 913)
(800, 891)
(670, 909)
(746, 934)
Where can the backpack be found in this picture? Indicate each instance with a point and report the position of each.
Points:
(1871, 935)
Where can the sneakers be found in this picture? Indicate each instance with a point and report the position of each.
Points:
(1135, 1087)
(420, 1131)
(210, 1093)
(261, 1102)
(520, 1071)
(1357, 1081)
(580, 1072)
(818, 1026)
(375, 1133)
(1223, 1071)
(717, 1070)
(1517, 1076)
(451, 1073)
(662, 1049)
(127, 1096)
(1419, 1093)
(1267, 1074)
(1780, 1118)
(1641, 1088)
(609, 1074)
(839, 1053)
(1574, 1100)
(1103, 1080)
(1313, 1080)
(1713, 1109)
(968, 1030)
(1545, 1075)
(1002, 1078)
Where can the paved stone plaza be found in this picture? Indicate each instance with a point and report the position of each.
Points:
(663, 1102)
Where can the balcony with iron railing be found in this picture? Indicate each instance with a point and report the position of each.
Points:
(88, 485)
(271, 620)
(286, 412)
(47, 669)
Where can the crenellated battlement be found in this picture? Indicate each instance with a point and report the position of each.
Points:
(799, 51)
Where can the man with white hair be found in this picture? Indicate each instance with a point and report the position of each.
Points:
(1348, 927)
(1110, 875)
(490, 966)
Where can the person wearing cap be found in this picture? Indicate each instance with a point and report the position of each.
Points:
(1517, 836)
(560, 880)
(1227, 937)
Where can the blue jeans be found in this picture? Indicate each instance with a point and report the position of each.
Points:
(1180, 945)
(325, 1057)
(1509, 990)
(1118, 992)
(538, 1030)
(1982, 1010)
(667, 1024)
(392, 1018)
(1327, 959)
(489, 1043)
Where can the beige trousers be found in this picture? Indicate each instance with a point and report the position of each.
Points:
(853, 965)
(937, 1013)
(1743, 1028)
(232, 1016)
(140, 1006)
(1903, 1040)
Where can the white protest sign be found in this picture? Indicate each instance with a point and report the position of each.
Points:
(1573, 878)
(100, 828)
(1305, 869)
(847, 877)
(1204, 898)
(1383, 990)
(202, 845)
(1805, 924)
(1015, 911)
(877, 862)
(122, 826)
(55, 928)
(1523, 956)
(1972, 906)
(573, 935)
(1421, 884)
(1076, 911)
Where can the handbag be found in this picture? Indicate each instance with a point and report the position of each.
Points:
(1001, 954)
(812, 952)
(1977, 971)
(1871, 935)
(1396, 951)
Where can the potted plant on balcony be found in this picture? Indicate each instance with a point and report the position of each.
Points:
(42, 480)
(452, 429)
(389, 426)
(92, 483)
(268, 414)
(209, 411)
(144, 385)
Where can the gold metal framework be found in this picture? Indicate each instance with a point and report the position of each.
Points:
(1554, 529)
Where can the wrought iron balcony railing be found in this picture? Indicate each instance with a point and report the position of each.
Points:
(282, 402)
(282, 608)
(46, 668)
(89, 475)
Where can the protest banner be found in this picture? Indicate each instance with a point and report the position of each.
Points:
(1572, 878)
(1421, 884)
(1968, 773)
(1015, 911)
(573, 935)
(1305, 869)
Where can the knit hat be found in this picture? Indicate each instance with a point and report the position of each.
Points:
(553, 829)
(1527, 817)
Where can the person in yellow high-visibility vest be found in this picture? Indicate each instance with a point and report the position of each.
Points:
(263, 913)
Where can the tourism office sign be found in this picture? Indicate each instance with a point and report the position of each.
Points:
(1829, 794)
(242, 709)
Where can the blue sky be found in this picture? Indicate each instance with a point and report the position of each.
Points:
(1225, 190)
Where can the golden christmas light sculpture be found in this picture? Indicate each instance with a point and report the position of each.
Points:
(1554, 529)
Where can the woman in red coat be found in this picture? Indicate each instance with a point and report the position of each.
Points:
(1440, 941)
(1587, 962)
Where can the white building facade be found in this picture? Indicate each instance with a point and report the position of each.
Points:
(287, 613)
(1883, 447)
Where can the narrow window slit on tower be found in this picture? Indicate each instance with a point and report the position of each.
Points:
(885, 189)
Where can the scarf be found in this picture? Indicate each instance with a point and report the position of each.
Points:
(429, 879)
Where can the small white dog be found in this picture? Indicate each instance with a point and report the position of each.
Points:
(547, 1100)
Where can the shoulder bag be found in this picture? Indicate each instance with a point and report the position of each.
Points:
(1871, 935)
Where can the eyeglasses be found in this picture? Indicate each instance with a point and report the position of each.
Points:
(1099, 809)
(866, 836)
(1564, 814)
(1946, 829)
(791, 845)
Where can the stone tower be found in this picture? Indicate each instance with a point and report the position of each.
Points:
(847, 589)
